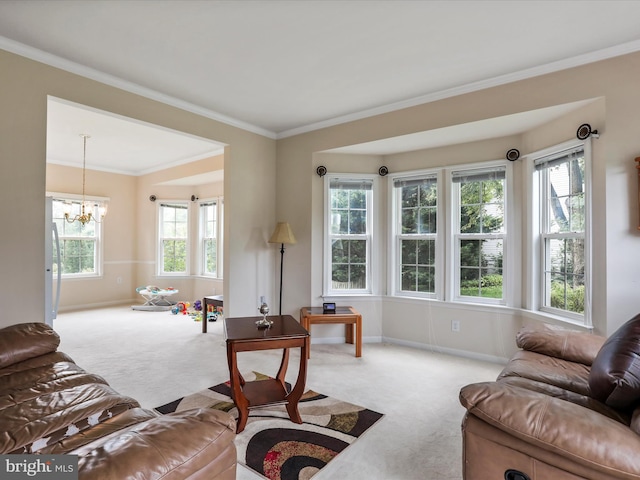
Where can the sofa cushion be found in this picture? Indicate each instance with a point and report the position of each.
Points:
(26, 340)
(559, 342)
(615, 374)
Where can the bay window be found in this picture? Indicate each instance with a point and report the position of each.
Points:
(348, 234)
(480, 232)
(563, 231)
(173, 238)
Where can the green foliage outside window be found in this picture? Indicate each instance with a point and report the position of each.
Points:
(174, 256)
(566, 217)
(348, 254)
(482, 213)
(78, 242)
(418, 211)
(77, 256)
(210, 256)
(174, 233)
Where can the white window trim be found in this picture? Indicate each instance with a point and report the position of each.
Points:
(99, 260)
(159, 259)
(535, 248)
(219, 205)
(452, 257)
(371, 244)
(394, 259)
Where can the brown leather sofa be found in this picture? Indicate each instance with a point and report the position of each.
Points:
(565, 407)
(49, 405)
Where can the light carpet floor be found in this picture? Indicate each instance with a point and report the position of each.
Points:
(156, 357)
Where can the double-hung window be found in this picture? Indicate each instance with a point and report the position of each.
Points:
(79, 244)
(348, 227)
(416, 229)
(563, 210)
(173, 238)
(479, 234)
(210, 238)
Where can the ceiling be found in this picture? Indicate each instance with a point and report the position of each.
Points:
(279, 68)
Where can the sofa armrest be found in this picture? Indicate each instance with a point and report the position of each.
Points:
(571, 345)
(26, 340)
(190, 444)
(587, 437)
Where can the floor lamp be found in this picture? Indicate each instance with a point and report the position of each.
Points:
(282, 234)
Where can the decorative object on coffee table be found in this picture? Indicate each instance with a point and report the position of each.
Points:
(264, 322)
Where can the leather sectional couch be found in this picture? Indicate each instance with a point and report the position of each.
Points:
(49, 405)
(565, 407)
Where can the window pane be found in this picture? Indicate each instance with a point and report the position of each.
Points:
(566, 196)
(357, 199)
(409, 278)
(426, 279)
(417, 269)
(174, 255)
(410, 196)
(409, 220)
(210, 256)
(482, 206)
(348, 211)
(470, 219)
(358, 224)
(349, 264)
(418, 208)
(565, 274)
(428, 220)
(481, 268)
(409, 252)
(426, 252)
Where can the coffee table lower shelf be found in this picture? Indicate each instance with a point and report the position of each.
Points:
(264, 393)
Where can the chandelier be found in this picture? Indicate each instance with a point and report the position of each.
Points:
(89, 209)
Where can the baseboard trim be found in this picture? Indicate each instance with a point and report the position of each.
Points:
(336, 340)
(421, 346)
(91, 306)
(449, 351)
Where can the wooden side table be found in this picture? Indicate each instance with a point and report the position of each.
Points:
(347, 315)
(243, 336)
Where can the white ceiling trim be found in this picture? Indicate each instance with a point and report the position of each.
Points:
(93, 74)
(67, 65)
(552, 67)
(100, 168)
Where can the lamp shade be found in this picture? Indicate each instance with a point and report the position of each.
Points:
(282, 234)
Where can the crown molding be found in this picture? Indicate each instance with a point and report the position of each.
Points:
(111, 80)
(67, 65)
(552, 67)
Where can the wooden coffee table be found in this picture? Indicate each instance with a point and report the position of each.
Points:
(348, 315)
(243, 336)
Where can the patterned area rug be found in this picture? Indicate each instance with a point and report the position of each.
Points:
(274, 446)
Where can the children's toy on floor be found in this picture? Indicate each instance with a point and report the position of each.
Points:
(180, 307)
(213, 313)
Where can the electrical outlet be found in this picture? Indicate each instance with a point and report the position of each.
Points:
(455, 325)
(119, 280)
(261, 299)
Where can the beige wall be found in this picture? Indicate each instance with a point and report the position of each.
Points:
(486, 331)
(249, 184)
(257, 167)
